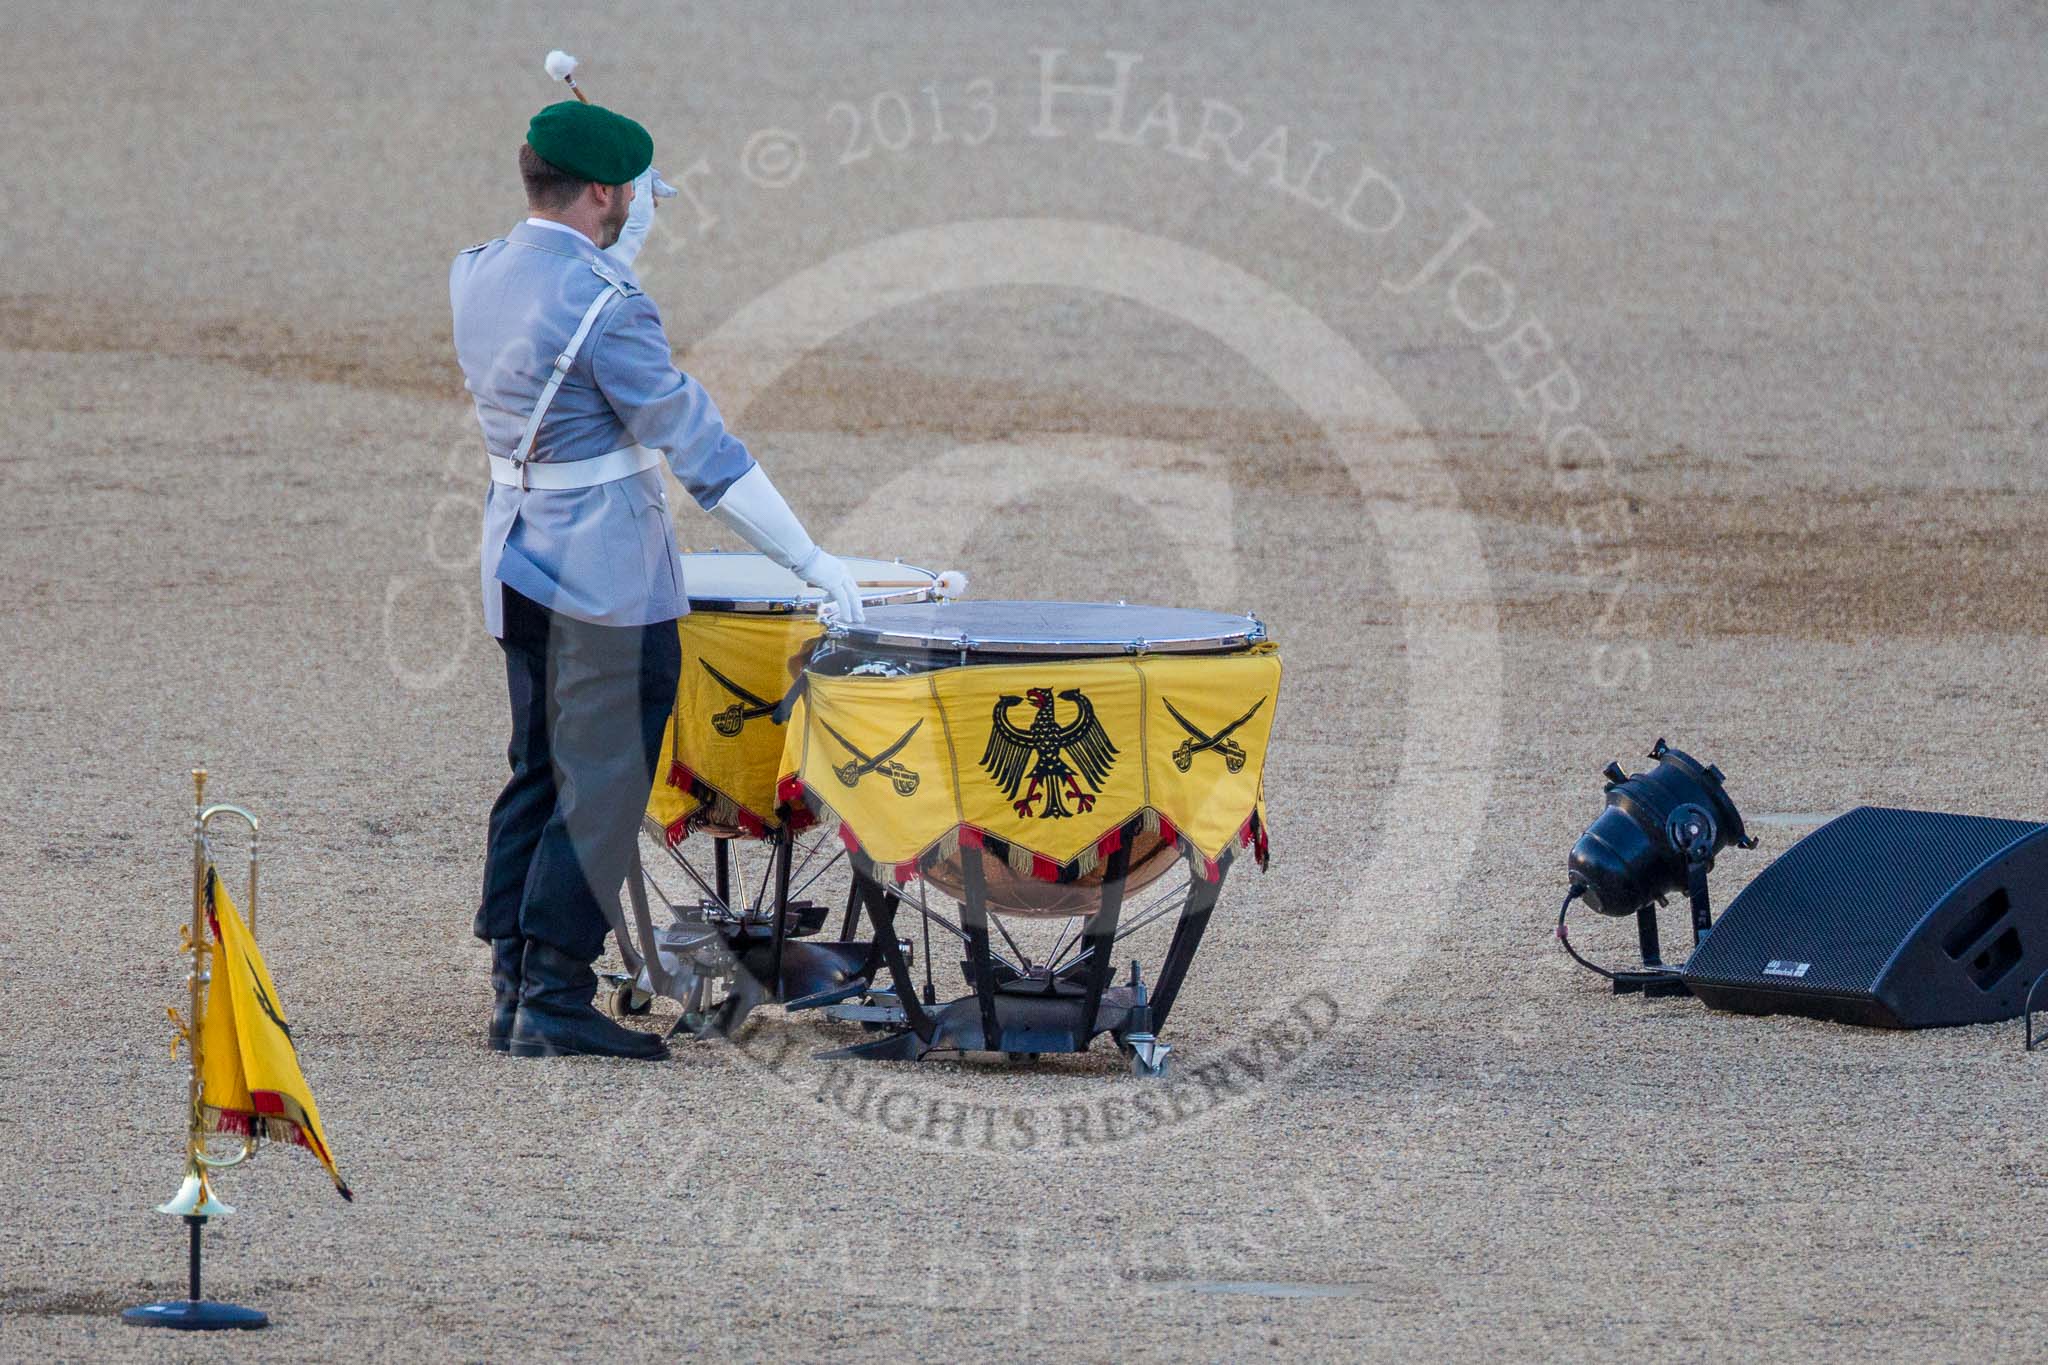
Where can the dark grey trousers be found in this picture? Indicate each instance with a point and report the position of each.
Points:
(589, 704)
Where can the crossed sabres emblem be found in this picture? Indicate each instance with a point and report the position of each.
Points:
(849, 773)
(749, 707)
(1201, 742)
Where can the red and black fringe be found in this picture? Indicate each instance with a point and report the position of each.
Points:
(713, 806)
(801, 808)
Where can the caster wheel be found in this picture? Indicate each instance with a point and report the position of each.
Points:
(1022, 1056)
(629, 1002)
(1144, 1071)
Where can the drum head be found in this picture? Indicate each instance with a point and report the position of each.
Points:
(722, 580)
(1060, 629)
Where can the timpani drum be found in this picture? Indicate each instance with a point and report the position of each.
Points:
(1038, 764)
(743, 925)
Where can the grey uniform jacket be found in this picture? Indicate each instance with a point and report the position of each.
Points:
(605, 554)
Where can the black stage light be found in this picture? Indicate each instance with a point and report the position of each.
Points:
(1658, 836)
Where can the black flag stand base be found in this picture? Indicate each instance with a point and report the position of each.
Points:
(192, 1313)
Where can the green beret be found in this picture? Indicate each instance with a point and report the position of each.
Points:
(590, 142)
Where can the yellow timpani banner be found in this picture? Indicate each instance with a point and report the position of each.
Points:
(722, 752)
(1053, 759)
(249, 1069)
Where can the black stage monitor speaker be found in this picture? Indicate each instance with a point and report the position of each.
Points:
(1895, 918)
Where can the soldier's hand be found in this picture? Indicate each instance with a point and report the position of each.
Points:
(828, 573)
(639, 218)
(752, 508)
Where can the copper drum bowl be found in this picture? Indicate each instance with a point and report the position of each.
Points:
(1013, 893)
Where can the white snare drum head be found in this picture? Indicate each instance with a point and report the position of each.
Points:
(720, 580)
(1060, 629)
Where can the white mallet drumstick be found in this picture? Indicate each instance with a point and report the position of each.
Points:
(951, 583)
(562, 67)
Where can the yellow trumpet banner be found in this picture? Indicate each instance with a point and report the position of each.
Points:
(1052, 758)
(249, 1073)
(722, 752)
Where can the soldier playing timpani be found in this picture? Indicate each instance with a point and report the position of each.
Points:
(581, 404)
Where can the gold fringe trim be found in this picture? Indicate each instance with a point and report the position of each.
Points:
(713, 806)
(235, 1123)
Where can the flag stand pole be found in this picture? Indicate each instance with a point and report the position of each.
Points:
(195, 1200)
(193, 1313)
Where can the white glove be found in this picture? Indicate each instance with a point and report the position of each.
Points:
(829, 573)
(647, 190)
(757, 514)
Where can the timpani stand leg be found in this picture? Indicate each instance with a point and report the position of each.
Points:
(852, 921)
(974, 922)
(756, 983)
(633, 992)
(1187, 936)
(759, 951)
(622, 928)
(882, 905)
(785, 844)
(812, 973)
(1100, 938)
(905, 1045)
(747, 985)
(1021, 1017)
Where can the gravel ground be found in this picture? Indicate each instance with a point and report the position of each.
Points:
(1784, 263)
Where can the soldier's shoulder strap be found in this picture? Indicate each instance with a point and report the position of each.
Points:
(615, 277)
(472, 250)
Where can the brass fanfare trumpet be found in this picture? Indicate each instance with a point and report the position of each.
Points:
(195, 1197)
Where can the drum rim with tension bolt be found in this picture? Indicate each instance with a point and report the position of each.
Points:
(788, 595)
(1059, 629)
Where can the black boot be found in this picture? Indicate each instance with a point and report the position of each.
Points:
(506, 956)
(556, 1018)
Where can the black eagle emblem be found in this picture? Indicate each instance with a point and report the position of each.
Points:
(1055, 758)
